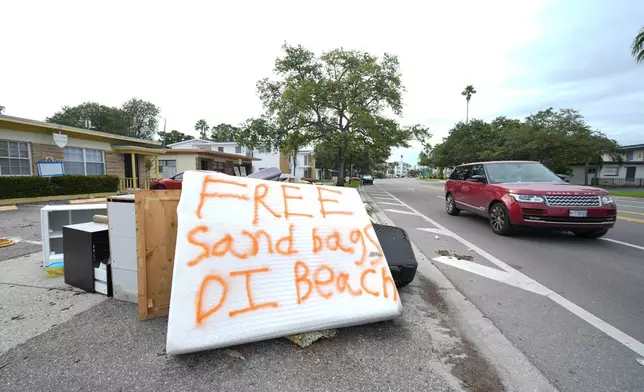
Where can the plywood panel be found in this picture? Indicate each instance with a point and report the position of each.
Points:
(156, 234)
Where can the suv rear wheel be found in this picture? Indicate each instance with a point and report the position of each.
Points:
(500, 219)
(591, 233)
(450, 205)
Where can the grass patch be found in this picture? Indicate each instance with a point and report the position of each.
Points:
(627, 193)
(352, 183)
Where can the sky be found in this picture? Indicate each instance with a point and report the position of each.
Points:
(201, 59)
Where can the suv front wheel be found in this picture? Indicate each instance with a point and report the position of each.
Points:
(500, 219)
(450, 205)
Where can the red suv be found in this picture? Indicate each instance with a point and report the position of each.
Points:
(525, 193)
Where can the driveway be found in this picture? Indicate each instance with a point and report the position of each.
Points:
(573, 306)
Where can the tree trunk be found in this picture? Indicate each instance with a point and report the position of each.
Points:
(597, 169)
(586, 170)
(341, 166)
(294, 163)
(467, 112)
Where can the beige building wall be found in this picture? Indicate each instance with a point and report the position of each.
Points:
(114, 164)
(48, 139)
(40, 152)
(184, 162)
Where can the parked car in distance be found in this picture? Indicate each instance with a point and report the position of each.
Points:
(527, 194)
(173, 182)
(367, 180)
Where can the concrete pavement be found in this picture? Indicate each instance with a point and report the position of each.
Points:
(53, 338)
(572, 306)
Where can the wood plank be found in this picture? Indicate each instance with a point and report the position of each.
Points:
(156, 233)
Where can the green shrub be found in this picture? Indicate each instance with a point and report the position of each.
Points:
(26, 186)
(77, 185)
(14, 187)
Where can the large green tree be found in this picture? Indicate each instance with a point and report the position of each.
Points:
(467, 93)
(99, 117)
(637, 46)
(555, 138)
(225, 133)
(340, 96)
(173, 136)
(202, 127)
(135, 118)
(142, 118)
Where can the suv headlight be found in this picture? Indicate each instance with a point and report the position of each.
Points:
(607, 199)
(527, 198)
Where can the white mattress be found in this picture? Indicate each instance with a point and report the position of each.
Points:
(203, 315)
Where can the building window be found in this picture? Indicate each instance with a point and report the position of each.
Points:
(84, 161)
(15, 158)
(262, 149)
(220, 149)
(167, 163)
(220, 167)
(611, 170)
(306, 160)
(237, 149)
(629, 155)
(639, 154)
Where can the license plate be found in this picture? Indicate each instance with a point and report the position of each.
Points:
(578, 213)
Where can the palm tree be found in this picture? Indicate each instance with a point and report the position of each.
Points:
(638, 47)
(467, 93)
(202, 127)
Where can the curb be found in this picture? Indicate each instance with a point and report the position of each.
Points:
(58, 198)
(514, 368)
(8, 208)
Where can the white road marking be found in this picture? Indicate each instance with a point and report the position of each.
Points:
(623, 243)
(384, 197)
(513, 279)
(411, 189)
(626, 340)
(391, 204)
(402, 212)
(640, 360)
(441, 197)
(433, 231)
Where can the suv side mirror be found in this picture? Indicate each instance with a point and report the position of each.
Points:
(478, 178)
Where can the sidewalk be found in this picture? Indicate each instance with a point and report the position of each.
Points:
(53, 338)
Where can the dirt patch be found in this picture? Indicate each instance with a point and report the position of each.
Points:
(451, 253)
(475, 372)
(432, 294)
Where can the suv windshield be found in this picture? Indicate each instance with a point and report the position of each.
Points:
(519, 172)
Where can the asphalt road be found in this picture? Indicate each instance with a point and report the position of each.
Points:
(575, 307)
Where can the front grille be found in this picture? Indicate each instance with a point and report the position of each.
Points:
(573, 201)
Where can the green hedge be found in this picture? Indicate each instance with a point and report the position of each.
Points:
(32, 186)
